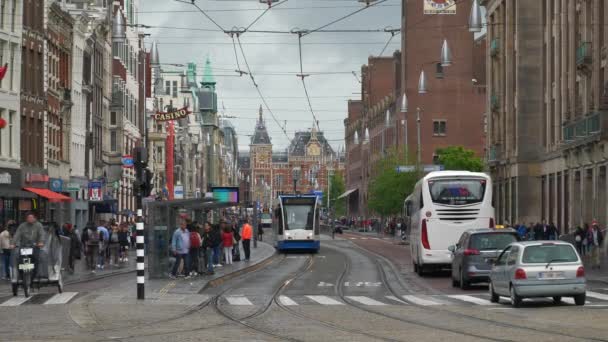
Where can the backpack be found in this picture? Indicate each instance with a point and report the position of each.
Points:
(195, 240)
(93, 237)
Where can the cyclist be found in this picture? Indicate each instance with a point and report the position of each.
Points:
(29, 233)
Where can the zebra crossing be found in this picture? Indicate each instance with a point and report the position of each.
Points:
(594, 299)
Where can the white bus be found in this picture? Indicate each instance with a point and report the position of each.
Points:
(443, 205)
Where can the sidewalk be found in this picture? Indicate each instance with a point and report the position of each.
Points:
(82, 274)
(596, 275)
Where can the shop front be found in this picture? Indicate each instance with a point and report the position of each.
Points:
(51, 206)
(14, 202)
(79, 207)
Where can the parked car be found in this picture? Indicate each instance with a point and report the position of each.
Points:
(475, 252)
(538, 269)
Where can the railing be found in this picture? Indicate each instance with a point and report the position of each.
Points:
(583, 128)
(583, 54)
(494, 47)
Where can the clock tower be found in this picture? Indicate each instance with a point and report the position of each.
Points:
(260, 153)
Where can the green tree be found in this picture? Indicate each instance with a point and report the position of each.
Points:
(389, 188)
(337, 189)
(459, 158)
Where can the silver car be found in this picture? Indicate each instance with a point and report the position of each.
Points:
(538, 269)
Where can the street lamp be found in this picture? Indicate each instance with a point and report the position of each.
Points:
(404, 122)
(446, 54)
(387, 122)
(422, 87)
(475, 17)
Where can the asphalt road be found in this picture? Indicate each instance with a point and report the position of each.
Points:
(355, 289)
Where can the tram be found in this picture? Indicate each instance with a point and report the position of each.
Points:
(296, 223)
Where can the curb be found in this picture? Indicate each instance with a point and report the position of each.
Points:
(97, 277)
(222, 279)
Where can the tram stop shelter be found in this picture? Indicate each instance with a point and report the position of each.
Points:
(163, 218)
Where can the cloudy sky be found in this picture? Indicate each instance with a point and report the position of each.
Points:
(274, 58)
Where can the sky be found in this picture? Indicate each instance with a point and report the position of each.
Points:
(274, 58)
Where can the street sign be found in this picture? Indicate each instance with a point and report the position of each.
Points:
(127, 161)
(426, 168)
(178, 192)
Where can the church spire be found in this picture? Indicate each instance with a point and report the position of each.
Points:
(313, 132)
(261, 112)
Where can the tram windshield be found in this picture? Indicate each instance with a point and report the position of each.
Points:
(298, 217)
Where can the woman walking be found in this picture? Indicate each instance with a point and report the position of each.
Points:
(123, 241)
(227, 243)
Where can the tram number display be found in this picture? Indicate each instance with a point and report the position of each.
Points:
(299, 201)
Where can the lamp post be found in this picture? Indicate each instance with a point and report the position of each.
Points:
(387, 119)
(404, 122)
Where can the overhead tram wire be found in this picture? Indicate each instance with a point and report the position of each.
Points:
(346, 16)
(302, 76)
(257, 87)
(270, 5)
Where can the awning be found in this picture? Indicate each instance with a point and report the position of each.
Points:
(52, 196)
(347, 193)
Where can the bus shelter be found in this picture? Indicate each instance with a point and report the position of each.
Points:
(163, 219)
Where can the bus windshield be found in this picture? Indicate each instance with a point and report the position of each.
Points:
(457, 191)
(298, 217)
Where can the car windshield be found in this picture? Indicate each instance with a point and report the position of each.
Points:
(298, 216)
(542, 254)
(457, 191)
(491, 241)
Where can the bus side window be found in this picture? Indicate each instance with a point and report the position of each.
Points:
(279, 217)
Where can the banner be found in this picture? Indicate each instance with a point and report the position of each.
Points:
(173, 115)
(439, 6)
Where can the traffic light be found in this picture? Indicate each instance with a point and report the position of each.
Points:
(142, 186)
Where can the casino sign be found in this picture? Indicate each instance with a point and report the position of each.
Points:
(172, 115)
(439, 6)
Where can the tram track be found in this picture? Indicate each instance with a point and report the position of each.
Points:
(381, 270)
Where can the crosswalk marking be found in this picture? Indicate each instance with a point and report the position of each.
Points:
(61, 298)
(597, 295)
(365, 300)
(287, 301)
(324, 300)
(16, 301)
(471, 299)
(238, 300)
(420, 301)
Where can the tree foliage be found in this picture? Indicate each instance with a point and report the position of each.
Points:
(337, 189)
(459, 158)
(389, 188)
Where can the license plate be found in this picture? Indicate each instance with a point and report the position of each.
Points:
(27, 251)
(26, 267)
(550, 275)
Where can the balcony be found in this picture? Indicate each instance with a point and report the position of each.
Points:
(494, 47)
(583, 55)
(494, 103)
(585, 130)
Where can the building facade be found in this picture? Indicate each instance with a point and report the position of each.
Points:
(547, 105)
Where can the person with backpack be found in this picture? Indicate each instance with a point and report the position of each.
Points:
(195, 247)
(113, 244)
(91, 239)
(123, 241)
(75, 247)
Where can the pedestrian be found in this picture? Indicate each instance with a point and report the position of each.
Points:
(180, 245)
(246, 235)
(585, 239)
(75, 247)
(207, 245)
(522, 232)
(104, 236)
(113, 244)
(552, 231)
(216, 239)
(579, 236)
(91, 239)
(133, 230)
(260, 233)
(227, 243)
(5, 246)
(123, 242)
(596, 241)
(195, 247)
(236, 249)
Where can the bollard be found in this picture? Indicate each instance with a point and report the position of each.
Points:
(139, 225)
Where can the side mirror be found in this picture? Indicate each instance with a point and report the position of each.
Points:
(452, 248)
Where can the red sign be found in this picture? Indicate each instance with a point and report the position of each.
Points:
(173, 115)
(36, 178)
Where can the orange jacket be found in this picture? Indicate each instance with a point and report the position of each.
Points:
(247, 232)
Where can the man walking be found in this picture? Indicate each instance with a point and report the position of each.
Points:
(246, 235)
(596, 241)
(180, 245)
(91, 240)
(104, 237)
(207, 246)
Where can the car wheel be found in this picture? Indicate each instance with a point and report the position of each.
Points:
(580, 299)
(420, 270)
(464, 284)
(557, 299)
(494, 298)
(515, 298)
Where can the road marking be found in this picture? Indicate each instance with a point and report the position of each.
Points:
(324, 284)
(420, 301)
(287, 301)
(395, 299)
(238, 301)
(471, 299)
(61, 298)
(16, 301)
(365, 300)
(597, 295)
(324, 300)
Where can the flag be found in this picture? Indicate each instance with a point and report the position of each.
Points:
(3, 71)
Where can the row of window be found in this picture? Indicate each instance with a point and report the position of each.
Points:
(8, 14)
(9, 138)
(8, 54)
(439, 128)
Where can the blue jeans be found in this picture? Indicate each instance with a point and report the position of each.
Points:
(178, 258)
(217, 254)
(209, 259)
(6, 261)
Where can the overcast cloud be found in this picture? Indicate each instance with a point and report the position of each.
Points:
(272, 53)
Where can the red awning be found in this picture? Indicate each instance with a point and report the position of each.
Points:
(52, 196)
